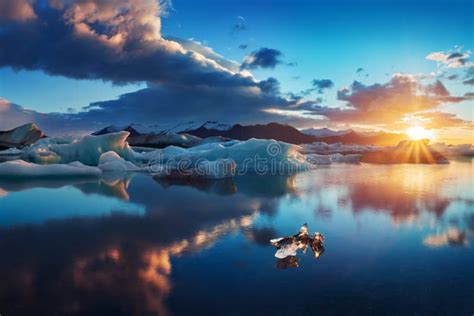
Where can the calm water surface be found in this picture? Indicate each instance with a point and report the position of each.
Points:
(398, 242)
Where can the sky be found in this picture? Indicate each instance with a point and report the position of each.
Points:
(368, 65)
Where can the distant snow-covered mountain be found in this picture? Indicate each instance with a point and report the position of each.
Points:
(276, 131)
(324, 132)
(160, 129)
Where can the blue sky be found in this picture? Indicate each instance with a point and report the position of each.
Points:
(322, 39)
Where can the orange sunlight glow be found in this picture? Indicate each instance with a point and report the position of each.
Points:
(418, 133)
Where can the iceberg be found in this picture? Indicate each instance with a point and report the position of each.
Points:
(111, 161)
(416, 152)
(288, 246)
(87, 149)
(334, 158)
(21, 168)
(336, 148)
(251, 156)
(463, 150)
(218, 169)
(21, 136)
(10, 152)
(211, 158)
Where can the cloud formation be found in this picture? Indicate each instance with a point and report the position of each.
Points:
(113, 40)
(13, 115)
(321, 84)
(401, 98)
(469, 78)
(17, 10)
(262, 58)
(120, 41)
(451, 59)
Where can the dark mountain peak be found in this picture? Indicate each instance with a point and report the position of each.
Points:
(114, 129)
(289, 134)
(20, 136)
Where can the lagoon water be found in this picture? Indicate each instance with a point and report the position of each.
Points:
(399, 241)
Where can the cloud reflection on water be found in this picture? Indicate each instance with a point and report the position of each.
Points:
(123, 263)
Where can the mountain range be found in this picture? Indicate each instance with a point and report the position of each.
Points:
(277, 131)
(289, 134)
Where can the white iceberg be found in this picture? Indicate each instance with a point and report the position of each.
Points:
(218, 169)
(251, 156)
(211, 159)
(327, 149)
(464, 150)
(286, 250)
(21, 168)
(10, 152)
(334, 158)
(87, 149)
(111, 161)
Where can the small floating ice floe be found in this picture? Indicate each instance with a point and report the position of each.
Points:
(288, 246)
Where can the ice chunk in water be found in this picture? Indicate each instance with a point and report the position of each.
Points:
(86, 150)
(288, 246)
(21, 168)
(111, 161)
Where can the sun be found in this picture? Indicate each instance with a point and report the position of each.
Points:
(418, 133)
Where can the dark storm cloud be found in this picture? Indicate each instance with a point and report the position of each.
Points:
(169, 102)
(469, 77)
(243, 46)
(321, 84)
(16, 10)
(158, 104)
(455, 55)
(121, 42)
(115, 40)
(318, 85)
(270, 86)
(262, 58)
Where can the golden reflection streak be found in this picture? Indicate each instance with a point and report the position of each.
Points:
(427, 153)
(155, 266)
